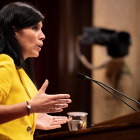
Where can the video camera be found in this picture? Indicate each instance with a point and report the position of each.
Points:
(117, 43)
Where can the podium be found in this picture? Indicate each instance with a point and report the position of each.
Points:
(122, 128)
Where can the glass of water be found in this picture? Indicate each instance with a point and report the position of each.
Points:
(77, 120)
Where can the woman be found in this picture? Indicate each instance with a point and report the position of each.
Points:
(21, 38)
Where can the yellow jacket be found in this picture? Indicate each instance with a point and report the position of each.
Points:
(15, 87)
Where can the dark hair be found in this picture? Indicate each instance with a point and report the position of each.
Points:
(19, 15)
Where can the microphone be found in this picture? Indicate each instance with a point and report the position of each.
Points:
(82, 75)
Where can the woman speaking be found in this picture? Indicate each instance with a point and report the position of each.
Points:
(22, 107)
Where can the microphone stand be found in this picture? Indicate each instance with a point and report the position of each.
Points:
(82, 75)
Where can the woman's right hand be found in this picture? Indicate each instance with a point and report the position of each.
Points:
(44, 103)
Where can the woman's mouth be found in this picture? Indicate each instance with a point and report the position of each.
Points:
(39, 48)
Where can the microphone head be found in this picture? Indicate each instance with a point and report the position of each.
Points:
(81, 75)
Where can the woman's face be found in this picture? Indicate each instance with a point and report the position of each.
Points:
(30, 40)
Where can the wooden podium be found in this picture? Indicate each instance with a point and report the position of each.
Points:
(122, 128)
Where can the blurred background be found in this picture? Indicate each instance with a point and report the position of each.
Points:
(58, 62)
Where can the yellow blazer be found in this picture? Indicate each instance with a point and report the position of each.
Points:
(15, 87)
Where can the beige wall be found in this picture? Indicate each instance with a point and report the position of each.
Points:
(120, 15)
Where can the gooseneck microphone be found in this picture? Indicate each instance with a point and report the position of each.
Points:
(82, 75)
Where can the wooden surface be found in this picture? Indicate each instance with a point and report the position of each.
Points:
(126, 127)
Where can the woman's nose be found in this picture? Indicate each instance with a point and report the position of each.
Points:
(42, 36)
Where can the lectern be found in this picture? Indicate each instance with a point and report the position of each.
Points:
(122, 128)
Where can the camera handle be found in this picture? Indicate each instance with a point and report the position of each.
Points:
(83, 59)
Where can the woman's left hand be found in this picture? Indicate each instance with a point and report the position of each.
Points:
(47, 122)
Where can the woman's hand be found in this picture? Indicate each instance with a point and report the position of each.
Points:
(44, 103)
(47, 122)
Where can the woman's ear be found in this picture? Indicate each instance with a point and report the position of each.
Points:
(15, 31)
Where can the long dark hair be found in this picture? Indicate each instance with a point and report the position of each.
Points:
(18, 15)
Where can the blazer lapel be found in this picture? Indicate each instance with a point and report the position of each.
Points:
(27, 83)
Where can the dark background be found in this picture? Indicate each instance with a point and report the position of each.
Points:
(64, 20)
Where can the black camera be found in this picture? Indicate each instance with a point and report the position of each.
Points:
(117, 43)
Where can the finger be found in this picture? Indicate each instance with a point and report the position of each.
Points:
(60, 120)
(59, 117)
(61, 101)
(60, 106)
(59, 96)
(52, 110)
(53, 127)
(44, 86)
(58, 123)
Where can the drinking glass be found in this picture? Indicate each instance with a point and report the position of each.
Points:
(77, 120)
